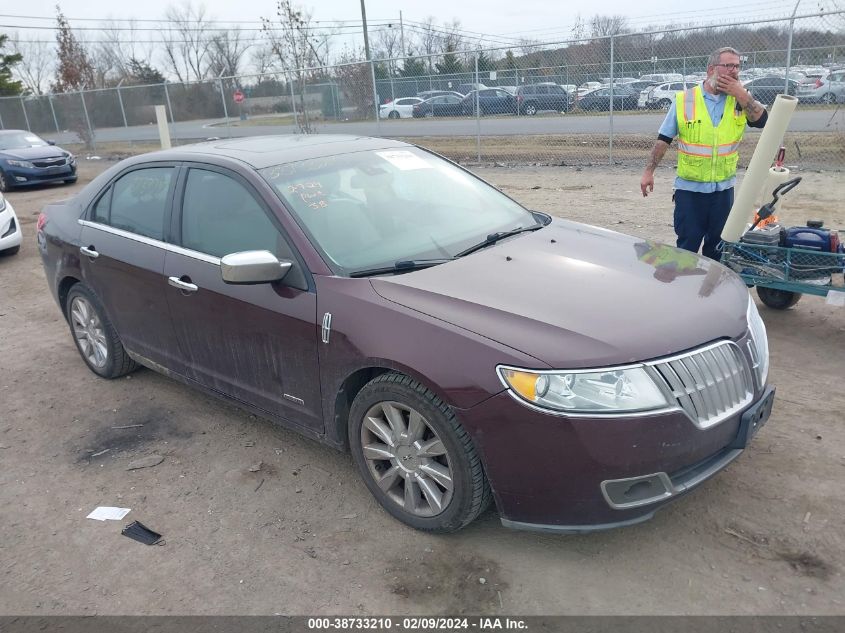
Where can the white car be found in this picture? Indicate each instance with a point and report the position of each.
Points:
(587, 86)
(662, 96)
(399, 108)
(10, 228)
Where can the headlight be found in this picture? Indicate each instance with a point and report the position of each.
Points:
(21, 163)
(760, 346)
(604, 391)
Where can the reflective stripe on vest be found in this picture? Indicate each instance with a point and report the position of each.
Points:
(707, 153)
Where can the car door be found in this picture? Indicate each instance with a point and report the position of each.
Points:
(122, 259)
(255, 343)
(837, 85)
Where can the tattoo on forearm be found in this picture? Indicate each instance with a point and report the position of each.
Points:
(656, 155)
(753, 109)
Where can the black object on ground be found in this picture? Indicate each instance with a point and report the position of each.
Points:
(141, 533)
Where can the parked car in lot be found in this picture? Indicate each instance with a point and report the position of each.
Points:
(533, 98)
(27, 159)
(662, 77)
(490, 101)
(599, 100)
(587, 86)
(428, 94)
(662, 96)
(465, 89)
(378, 298)
(765, 89)
(10, 228)
(444, 105)
(829, 89)
(398, 108)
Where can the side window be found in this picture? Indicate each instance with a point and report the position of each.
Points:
(100, 212)
(528, 90)
(139, 200)
(220, 217)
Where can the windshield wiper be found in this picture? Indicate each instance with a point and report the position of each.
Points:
(495, 237)
(403, 266)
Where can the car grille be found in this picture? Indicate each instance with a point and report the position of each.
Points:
(709, 384)
(49, 162)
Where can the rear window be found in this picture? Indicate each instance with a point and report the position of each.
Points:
(137, 202)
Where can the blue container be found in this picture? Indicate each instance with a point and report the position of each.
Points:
(807, 238)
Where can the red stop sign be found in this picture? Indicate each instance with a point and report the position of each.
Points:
(238, 96)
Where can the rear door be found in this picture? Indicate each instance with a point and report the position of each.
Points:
(122, 259)
(255, 343)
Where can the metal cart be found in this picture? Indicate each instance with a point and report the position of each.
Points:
(782, 275)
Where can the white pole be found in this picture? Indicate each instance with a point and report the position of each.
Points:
(163, 130)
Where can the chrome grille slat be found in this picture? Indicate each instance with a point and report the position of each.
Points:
(702, 414)
(730, 376)
(720, 395)
(710, 384)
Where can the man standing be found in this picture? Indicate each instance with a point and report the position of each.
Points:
(709, 121)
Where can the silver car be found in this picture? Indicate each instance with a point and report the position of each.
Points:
(829, 89)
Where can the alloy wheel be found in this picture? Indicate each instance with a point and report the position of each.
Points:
(89, 333)
(407, 459)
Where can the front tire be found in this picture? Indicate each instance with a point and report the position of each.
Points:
(5, 187)
(414, 456)
(95, 336)
(530, 109)
(777, 299)
(664, 104)
(829, 98)
(10, 251)
(393, 115)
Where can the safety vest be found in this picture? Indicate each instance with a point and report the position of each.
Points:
(707, 153)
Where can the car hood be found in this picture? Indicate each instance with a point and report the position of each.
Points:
(577, 296)
(33, 153)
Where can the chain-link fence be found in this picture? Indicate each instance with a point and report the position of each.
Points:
(594, 100)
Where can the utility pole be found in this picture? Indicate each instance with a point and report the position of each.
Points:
(366, 37)
(402, 34)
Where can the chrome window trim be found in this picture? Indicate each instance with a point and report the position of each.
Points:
(209, 259)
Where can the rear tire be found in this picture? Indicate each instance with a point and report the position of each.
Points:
(96, 339)
(828, 98)
(415, 457)
(777, 299)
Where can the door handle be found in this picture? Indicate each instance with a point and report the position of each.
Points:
(89, 251)
(182, 285)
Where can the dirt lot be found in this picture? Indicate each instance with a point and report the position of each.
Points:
(303, 536)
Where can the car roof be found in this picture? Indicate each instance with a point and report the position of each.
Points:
(266, 151)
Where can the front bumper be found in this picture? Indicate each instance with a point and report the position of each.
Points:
(24, 176)
(576, 475)
(10, 228)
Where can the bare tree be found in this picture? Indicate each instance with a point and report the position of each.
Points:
(298, 45)
(36, 65)
(604, 25)
(429, 41)
(186, 41)
(263, 60)
(388, 43)
(226, 52)
(119, 45)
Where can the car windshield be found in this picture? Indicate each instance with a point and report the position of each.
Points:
(371, 209)
(21, 139)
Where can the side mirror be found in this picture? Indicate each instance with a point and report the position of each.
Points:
(51, 142)
(253, 267)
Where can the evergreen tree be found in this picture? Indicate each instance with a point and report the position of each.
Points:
(144, 74)
(450, 64)
(8, 86)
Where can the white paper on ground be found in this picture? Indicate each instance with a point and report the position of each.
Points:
(835, 298)
(107, 513)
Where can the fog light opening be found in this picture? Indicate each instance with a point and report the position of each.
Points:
(639, 490)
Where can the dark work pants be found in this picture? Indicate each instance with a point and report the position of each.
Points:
(701, 216)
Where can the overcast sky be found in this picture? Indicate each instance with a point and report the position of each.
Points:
(536, 19)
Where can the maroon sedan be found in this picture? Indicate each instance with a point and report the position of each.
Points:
(376, 297)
